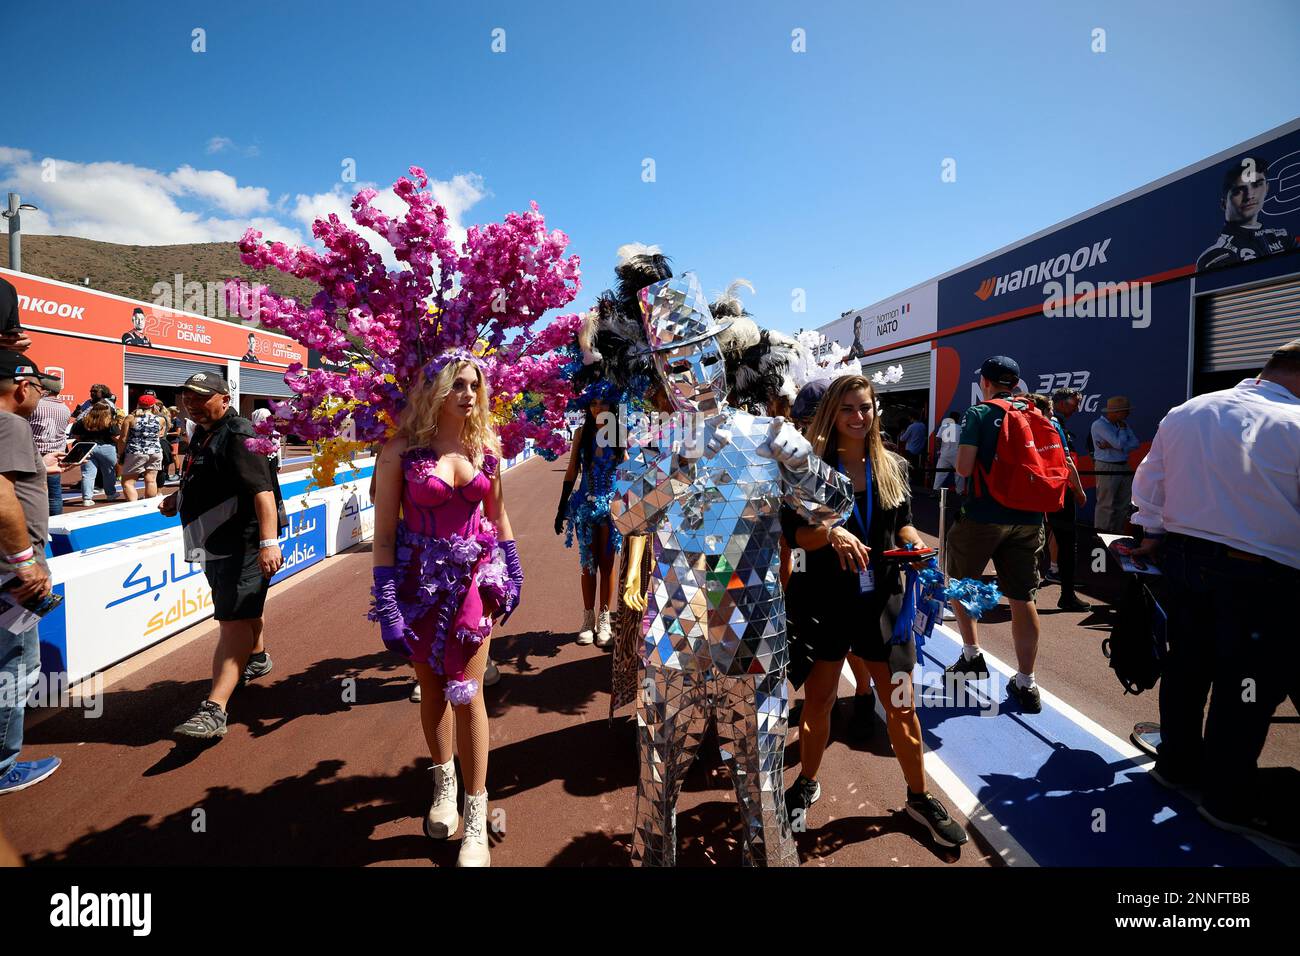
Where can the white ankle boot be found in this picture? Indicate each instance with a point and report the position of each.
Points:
(603, 637)
(442, 819)
(474, 841)
(587, 633)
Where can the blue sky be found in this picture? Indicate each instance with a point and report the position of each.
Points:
(817, 170)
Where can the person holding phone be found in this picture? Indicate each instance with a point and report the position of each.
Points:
(99, 425)
(24, 526)
(848, 597)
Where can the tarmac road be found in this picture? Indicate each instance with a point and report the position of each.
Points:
(325, 764)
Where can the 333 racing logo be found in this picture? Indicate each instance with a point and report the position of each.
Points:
(1049, 382)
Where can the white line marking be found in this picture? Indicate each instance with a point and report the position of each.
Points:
(1006, 846)
(1141, 761)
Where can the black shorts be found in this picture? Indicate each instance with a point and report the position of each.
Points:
(828, 633)
(238, 587)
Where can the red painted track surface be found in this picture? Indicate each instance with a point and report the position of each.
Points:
(325, 762)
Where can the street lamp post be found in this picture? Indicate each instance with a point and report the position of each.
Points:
(14, 215)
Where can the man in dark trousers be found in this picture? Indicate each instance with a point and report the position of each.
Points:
(1218, 494)
(229, 503)
(1065, 402)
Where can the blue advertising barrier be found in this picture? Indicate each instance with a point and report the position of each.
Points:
(123, 597)
(303, 542)
(72, 532)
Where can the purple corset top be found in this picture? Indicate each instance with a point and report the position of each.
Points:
(430, 506)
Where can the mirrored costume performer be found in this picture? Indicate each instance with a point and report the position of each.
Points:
(715, 640)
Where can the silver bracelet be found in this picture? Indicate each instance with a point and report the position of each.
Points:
(269, 543)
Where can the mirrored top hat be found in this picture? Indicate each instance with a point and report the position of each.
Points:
(676, 314)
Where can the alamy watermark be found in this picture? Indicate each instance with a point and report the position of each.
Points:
(617, 429)
(1101, 300)
(41, 689)
(211, 299)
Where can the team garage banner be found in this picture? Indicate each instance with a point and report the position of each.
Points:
(904, 318)
(84, 334)
(1144, 364)
(80, 363)
(1231, 210)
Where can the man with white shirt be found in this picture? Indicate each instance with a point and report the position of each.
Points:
(1220, 491)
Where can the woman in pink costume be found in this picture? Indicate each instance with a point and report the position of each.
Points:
(445, 568)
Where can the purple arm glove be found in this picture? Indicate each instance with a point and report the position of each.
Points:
(516, 572)
(392, 628)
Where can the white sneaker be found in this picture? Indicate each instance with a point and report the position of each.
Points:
(474, 841)
(442, 818)
(603, 637)
(490, 673)
(587, 633)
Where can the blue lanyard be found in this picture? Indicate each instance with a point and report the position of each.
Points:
(866, 528)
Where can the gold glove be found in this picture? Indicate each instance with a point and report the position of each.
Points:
(633, 597)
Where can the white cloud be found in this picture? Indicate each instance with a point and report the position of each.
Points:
(218, 144)
(136, 205)
(9, 155)
(456, 195)
(222, 190)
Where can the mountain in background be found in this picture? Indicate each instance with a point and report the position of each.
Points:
(132, 271)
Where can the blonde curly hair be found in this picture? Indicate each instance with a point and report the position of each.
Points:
(419, 423)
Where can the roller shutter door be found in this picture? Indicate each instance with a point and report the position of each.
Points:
(157, 370)
(1241, 328)
(256, 381)
(916, 372)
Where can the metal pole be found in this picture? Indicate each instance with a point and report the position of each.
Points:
(943, 529)
(15, 234)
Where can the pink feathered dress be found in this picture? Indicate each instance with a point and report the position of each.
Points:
(449, 561)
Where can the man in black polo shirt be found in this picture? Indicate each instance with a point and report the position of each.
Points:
(229, 503)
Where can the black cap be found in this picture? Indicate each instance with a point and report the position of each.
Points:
(149, 391)
(1001, 370)
(18, 365)
(206, 384)
(809, 397)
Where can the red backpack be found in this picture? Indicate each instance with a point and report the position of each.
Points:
(1029, 471)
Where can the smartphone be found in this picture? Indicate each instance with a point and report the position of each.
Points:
(79, 453)
(40, 606)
